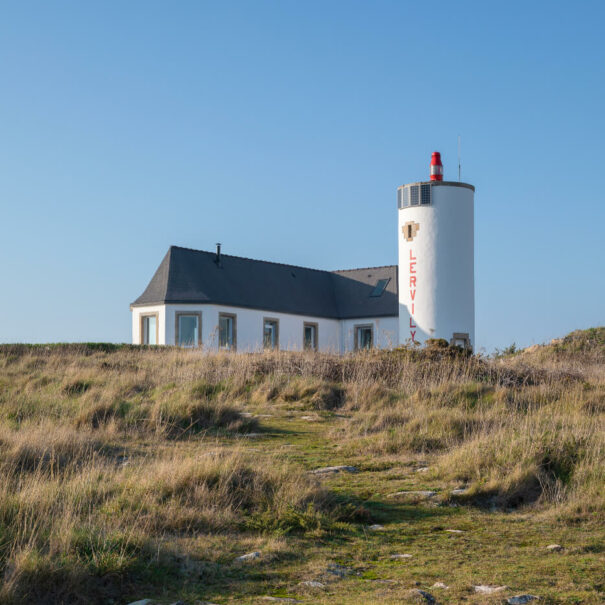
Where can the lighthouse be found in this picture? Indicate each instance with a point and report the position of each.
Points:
(436, 260)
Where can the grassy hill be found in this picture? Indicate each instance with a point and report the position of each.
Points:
(133, 472)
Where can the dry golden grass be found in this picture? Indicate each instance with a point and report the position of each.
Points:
(109, 454)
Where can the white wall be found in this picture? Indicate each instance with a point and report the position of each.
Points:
(386, 330)
(441, 260)
(250, 328)
(136, 322)
(335, 336)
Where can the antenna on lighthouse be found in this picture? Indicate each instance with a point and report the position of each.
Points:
(459, 161)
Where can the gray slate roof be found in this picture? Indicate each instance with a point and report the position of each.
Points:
(193, 276)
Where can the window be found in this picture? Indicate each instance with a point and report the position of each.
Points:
(149, 329)
(425, 194)
(188, 329)
(227, 331)
(271, 334)
(380, 286)
(364, 337)
(403, 197)
(310, 337)
(414, 195)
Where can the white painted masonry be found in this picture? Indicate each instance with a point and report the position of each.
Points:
(436, 265)
(334, 336)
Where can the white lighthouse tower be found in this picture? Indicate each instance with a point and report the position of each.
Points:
(436, 260)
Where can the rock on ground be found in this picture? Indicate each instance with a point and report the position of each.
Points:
(521, 599)
(454, 531)
(440, 585)
(281, 600)
(142, 602)
(399, 557)
(248, 557)
(420, 596)
(312, 584)
(328, 470)
(416, 494)
(376, 527)
(339, 570)
(554, 548)
(485, 589)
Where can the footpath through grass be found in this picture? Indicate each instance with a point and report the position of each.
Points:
(135, 473)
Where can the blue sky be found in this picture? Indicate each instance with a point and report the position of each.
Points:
(282, 129)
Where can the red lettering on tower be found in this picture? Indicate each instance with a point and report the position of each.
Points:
(412, 272)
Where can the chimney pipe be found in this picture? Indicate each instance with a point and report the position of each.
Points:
(218, 254)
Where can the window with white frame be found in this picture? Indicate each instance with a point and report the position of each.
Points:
(188, 329)
(364, 337)
(149, 329)
(310, 336)
(227, 331)
(270, 333)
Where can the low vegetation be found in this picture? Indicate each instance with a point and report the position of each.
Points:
(131, 472)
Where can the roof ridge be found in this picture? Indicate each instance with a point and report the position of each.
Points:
(364, 268)
(271, 262)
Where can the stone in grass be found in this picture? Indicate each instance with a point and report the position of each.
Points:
(376, 527)
(440, 585)
(521, 599)
(554, 548)
(420, 596)
(454, 531)
(415, 494)
(460, 491)
(142, 602)
(248, 557)
(339, 570)
(486, 589)
(312, 584)
(401, 557)
(281, 600)
(328, 470)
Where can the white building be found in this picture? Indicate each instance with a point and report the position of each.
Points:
(217, 301)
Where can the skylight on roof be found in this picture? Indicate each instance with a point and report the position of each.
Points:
(380, 286)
